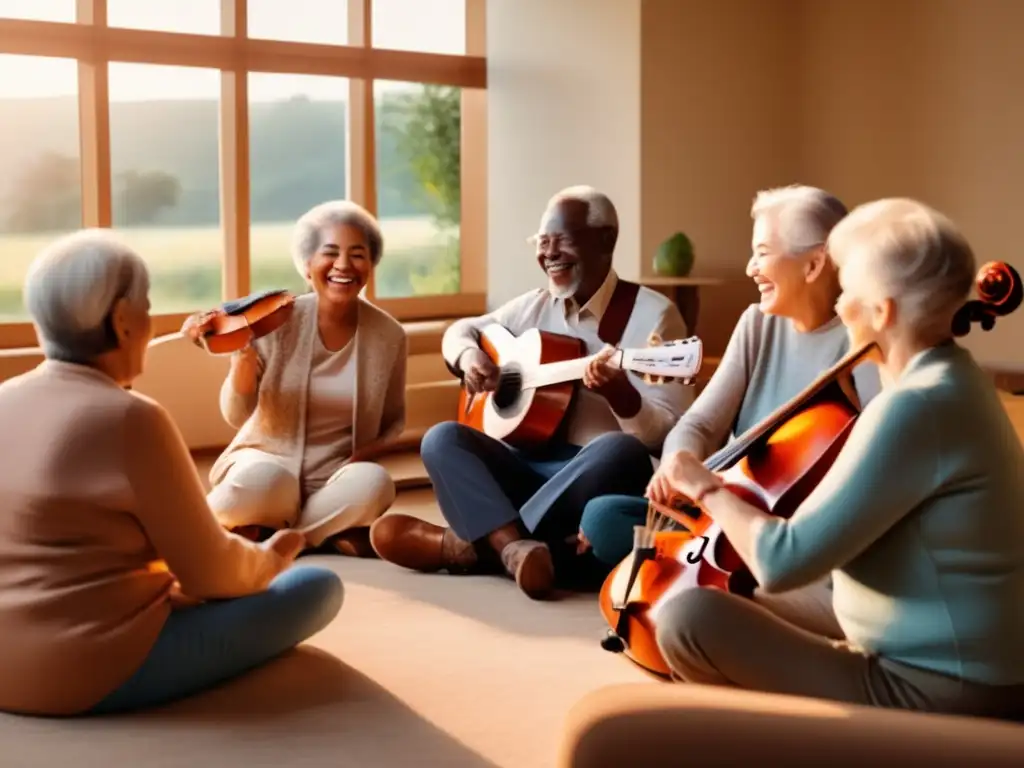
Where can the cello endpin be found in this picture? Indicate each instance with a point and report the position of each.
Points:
(613, 643)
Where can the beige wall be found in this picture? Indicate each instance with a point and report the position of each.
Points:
(719, 112)
(868, 98)
(563, 108)
(923, 98)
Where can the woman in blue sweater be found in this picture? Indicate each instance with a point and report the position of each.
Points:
(919, 520)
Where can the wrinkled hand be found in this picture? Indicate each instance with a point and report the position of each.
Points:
(600, 372)
(680, 474)
(198, 325)
(480, 374)
(286, 544)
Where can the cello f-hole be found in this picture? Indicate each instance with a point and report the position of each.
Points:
(693, 558)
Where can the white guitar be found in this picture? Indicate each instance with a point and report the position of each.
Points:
(537, 378)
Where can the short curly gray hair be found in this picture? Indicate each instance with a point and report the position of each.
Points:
(71, 288)
(308, 229)
(600, 209)
(805, 215)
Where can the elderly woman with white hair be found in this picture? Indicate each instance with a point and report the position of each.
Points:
(779, 346)
(317, 400)
(118, 588)
(919, 518)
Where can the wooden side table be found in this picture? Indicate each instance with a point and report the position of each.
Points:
(685, 291)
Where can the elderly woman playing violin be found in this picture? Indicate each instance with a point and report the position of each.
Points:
(118, 588)
(317, 399)
(918, 520)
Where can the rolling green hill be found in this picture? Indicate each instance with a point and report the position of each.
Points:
(297, 159)
(164, 157)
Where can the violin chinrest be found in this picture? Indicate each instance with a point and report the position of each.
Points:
(250, 317)
(238, 306)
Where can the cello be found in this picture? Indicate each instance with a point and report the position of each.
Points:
(773, 466)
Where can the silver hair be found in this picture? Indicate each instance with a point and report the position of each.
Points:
(804, 215)
(309, 227)
(72, 286)
(911, 253)
(600, 210)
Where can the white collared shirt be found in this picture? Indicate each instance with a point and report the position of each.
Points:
(662, 405)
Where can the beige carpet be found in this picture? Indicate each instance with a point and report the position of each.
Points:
(417, 670)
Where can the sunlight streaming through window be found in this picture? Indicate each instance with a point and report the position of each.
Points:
(165, 178)
(40, 189)
(418, 188)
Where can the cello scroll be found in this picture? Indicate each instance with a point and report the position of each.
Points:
(1000, 292)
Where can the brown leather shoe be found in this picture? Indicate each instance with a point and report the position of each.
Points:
(421, 546)
(355, 542)
(529, 563)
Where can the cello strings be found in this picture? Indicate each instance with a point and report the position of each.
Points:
(656, 522)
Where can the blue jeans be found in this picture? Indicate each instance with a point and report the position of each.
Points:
(483, 484)
(608, 522)
(208, 644)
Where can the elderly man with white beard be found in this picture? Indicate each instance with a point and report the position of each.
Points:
(517, 511)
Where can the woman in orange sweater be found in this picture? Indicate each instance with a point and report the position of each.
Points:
(118, 588)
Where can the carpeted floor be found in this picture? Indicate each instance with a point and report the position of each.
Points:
(417, 670)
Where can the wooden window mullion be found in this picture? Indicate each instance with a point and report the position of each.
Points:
(473, 151)
(94, 123)
(361, 154)
(234, 157)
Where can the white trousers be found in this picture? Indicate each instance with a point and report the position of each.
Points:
(259, 490)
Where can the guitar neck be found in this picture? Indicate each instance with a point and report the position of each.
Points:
(572, 370)
(557, 373)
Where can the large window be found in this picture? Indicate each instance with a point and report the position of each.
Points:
(202, 129)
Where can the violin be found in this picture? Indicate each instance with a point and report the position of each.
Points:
(773, 466)
(236, 323)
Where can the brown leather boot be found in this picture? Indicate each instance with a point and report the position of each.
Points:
(421, 546)
(529, 563)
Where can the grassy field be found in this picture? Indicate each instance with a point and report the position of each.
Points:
(185, 263)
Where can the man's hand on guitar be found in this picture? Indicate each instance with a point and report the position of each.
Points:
(480, 374)
(599, 372)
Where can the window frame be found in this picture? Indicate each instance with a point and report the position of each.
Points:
(95, 45)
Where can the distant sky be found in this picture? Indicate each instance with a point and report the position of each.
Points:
(431, 26)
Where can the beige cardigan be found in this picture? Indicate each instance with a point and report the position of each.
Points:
(102, 509)
(274, 420)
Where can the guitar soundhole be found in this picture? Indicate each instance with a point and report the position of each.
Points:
(510, 386)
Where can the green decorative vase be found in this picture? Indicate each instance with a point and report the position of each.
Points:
(674, 257)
